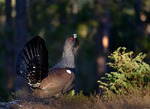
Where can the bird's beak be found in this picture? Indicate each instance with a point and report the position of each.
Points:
(76, 40)
(74, 36)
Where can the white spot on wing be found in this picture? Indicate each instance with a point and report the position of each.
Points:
(34, 67)
(68, 71)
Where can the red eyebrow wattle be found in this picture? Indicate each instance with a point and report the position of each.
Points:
(71, 39)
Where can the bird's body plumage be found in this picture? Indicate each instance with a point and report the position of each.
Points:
(32, 64)
(58, 81)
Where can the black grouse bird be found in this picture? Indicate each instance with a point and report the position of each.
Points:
(32, 64)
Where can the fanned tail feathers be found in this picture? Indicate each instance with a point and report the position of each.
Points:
(32, 62)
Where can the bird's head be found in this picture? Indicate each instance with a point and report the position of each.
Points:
(71, 42)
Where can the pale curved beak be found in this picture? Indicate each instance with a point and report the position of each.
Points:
(76, 40)
(74, 36)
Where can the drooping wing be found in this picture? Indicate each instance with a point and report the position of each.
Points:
(58, 81)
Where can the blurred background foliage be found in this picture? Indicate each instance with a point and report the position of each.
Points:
(102, 26)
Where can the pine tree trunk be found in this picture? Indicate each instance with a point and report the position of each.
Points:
(75, 7)
(9, 49)
(21, 36)
(139, 26)
(102, 40)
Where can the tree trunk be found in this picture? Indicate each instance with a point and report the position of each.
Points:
(102, 40)
(102, 43)
(75, 7)
(139, 26)
(9, 49)
(21, 36)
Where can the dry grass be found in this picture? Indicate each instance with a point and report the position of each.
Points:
(138, 99)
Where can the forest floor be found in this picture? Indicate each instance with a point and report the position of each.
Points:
(132, 101)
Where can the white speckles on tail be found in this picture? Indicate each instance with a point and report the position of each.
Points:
(68, 71)
(34, 85)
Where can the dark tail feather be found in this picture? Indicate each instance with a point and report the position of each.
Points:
(32, 62)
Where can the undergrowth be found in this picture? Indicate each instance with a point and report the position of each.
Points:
(129, 72)
(138, 99)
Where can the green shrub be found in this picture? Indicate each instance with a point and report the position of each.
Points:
(129, 72)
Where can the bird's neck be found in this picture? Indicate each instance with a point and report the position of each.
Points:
(67, 60)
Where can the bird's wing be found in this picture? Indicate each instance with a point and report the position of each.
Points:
(32, 62)
(57, 81)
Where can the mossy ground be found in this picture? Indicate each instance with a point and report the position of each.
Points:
(139, 99)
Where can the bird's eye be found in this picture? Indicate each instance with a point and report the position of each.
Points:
(71, 39)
